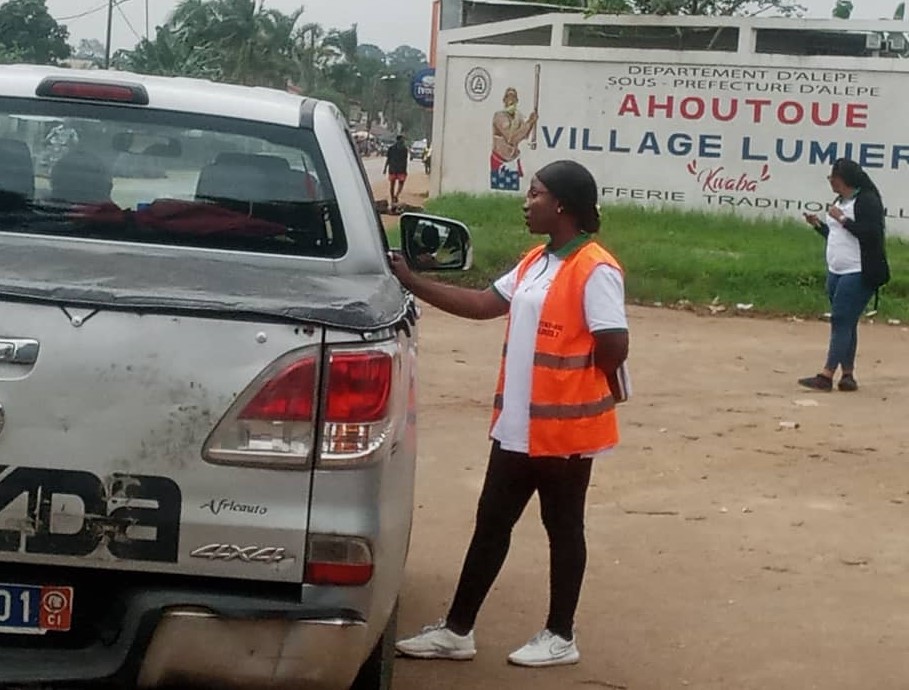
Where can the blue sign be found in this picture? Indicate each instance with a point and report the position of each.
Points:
(423, 87)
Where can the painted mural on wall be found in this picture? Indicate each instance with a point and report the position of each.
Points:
(509, 129)
(729, 137)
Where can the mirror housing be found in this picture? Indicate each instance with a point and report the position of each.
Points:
(432, 243)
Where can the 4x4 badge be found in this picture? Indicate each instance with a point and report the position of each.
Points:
(246, 554)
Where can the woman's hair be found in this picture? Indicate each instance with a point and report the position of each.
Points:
(575, 189)
(852, 174)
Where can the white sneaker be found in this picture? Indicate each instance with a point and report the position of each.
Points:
(546, 649)
(438, 642)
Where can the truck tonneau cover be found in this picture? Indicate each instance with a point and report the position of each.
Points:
(220, 285)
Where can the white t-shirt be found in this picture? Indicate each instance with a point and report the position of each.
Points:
(844, 255)
(604, 308)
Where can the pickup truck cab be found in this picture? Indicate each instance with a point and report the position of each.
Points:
(207, 388)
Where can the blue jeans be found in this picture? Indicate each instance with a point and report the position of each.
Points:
(849, 295)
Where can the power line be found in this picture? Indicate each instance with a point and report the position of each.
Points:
(90, 12)
(83, 14)
(126, 19)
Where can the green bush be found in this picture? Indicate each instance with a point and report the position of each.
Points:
(670, 255)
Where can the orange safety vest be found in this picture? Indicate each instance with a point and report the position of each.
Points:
(572, 411)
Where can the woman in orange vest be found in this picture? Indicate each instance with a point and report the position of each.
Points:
(554, 409)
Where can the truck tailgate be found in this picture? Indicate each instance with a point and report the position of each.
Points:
(101, 441)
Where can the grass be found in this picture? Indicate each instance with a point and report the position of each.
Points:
(669, 255)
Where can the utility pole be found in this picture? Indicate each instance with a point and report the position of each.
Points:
(110, 23)
(147, 33)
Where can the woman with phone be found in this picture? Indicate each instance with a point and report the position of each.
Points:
(856, 267)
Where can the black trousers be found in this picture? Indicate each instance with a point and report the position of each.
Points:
(511, 481)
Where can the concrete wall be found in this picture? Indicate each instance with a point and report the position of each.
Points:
(725, 128)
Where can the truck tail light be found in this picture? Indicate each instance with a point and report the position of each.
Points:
(273, 423)
(358, 395)
(359, 385)
(287, 397)
(338, 560)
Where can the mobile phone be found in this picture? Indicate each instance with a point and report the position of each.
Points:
(620, 383)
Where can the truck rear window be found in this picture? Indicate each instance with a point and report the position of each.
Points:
(127, 174)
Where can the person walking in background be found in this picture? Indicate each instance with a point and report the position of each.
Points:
(856, 266)
(427, 157)
(554, 409)
(396, 168)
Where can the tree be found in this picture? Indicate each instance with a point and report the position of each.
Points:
(28, 33)
(90, 49)
(406, 60)
(368, 51)
(342, 67)
(371, 66)
(900, 12)
(254, 44)
(168, 55)
(842, 9)
(237, 41)
(10, 56)
(243, 42)
(310, 56)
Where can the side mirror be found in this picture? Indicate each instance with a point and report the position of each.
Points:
(430, 243)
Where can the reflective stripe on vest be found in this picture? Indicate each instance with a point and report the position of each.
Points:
(565, 411)
(542, 359)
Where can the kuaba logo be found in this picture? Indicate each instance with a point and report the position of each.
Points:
(717, 179)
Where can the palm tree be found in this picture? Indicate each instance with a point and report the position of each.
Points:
(342, 65)
(169, 55)
(240, 41)
(254, 44)
(310, 55)
(276, 38)
(191, 20)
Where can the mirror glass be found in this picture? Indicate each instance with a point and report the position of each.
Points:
(435, 244)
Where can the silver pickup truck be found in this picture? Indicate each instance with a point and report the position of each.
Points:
(207, 388)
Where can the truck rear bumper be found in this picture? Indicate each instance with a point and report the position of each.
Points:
(204, 639)
(204, 650)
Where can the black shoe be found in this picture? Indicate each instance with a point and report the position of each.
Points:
(848, 383)
(819, 382)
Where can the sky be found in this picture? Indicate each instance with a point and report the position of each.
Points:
(386, 23)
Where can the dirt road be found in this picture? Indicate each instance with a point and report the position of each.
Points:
(725, 552)
(416, 188)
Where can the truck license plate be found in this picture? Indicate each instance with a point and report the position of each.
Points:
(34, 610)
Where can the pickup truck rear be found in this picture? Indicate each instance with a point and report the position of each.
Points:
(207, 389)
